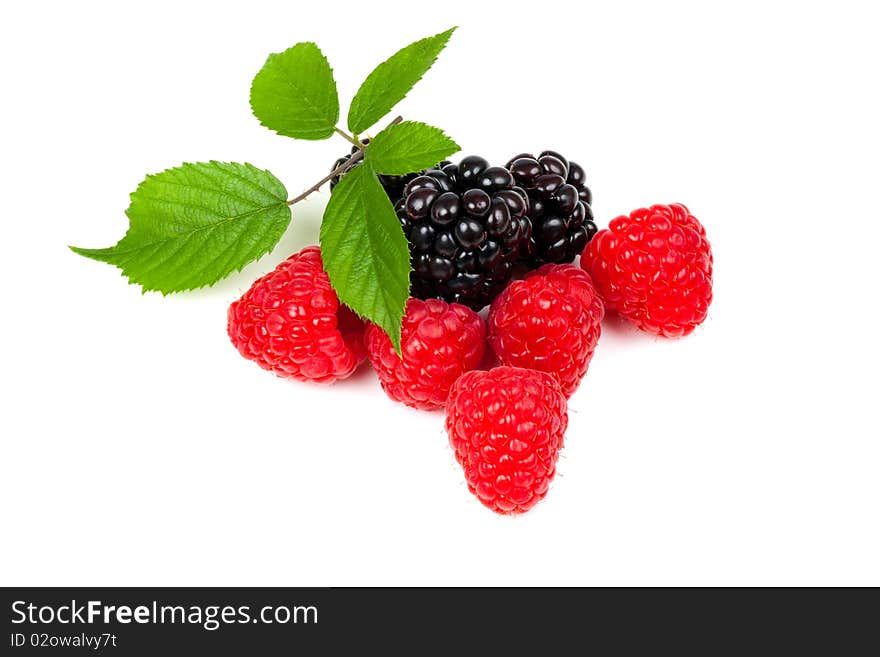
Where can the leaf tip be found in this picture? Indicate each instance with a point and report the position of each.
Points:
(87, 253)
(394, 336)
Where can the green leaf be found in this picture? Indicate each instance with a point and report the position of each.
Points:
(197, 223)
(365, 252)
(391, 80)
(294, 93)
(408, 146)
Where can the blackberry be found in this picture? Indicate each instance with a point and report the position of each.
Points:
(559, 206)
(393, 185)
(467, 226)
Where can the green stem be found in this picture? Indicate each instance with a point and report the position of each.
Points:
(347, 137)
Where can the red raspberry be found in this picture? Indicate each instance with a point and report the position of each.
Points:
(439, 342)
(292, 323)
(549, 321)
(654, 267)
(506, 426)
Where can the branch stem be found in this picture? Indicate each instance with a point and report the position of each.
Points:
(342, 168)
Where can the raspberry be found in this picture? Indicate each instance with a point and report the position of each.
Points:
(439, 342)
(654, 267)
(467, 228)
(506, 426)
(559, 206)
(291, 322)
(549, 321)
(393, 185)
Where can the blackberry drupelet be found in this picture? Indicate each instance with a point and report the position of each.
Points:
(467, 226)
(559, 206)
(393, 185)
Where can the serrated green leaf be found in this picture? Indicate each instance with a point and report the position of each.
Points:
(194, 224)
(391, 80)
(294, 93)
(407, 147)
(365, 252)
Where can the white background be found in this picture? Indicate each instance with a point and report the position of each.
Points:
(139, 448)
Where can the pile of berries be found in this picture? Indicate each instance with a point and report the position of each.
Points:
(505, 236)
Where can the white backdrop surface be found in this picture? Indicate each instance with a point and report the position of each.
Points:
(139, 448)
